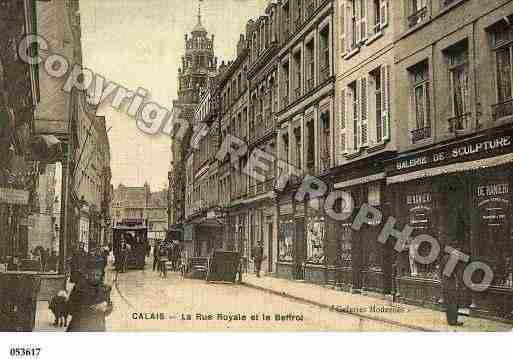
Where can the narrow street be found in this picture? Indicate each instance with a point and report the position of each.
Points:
(145, 294)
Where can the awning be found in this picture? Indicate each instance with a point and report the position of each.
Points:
(452, 168)
(357, 181)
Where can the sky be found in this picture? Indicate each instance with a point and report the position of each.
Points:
(139, 43)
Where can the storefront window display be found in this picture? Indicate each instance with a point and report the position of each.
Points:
(286, 241)
(315, 234)
(420, 208)
(344, 257)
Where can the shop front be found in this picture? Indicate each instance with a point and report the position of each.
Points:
(292, 249)
(315, 236)
(460, 194)
(361, 262)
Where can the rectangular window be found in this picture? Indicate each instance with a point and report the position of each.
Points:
(298, 149)
(298, 69)
(418, 13)
(460, 88)
(421, 102)
(310, 151)
(324, 36)
(503, 47)
(325, 140)
(285, 85)
(378, 102)
(310, 65)
(353, 93)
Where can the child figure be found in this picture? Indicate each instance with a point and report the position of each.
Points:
(89, 302)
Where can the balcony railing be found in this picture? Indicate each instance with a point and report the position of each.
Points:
(297, 93)
(420, 134)
(263, 126)
(502, 109)
(325, 73)
(460, 123)
(418, 17)
(260, 188)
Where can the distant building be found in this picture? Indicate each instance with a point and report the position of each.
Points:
(139, 203)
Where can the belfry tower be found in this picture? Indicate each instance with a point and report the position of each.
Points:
(198, 63)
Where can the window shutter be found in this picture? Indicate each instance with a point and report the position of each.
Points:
(356, 116)
(342, 143)
(342, 27)
(343, 110)
(357, 33)
(363, 120)
(385, 88)
(363, 20)
(349, 21)
(384, 13)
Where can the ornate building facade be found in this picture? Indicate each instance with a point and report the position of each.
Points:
(199, 65)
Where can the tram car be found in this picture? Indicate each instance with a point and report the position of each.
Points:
(135, 234)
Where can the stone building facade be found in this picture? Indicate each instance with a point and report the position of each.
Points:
(405, 105)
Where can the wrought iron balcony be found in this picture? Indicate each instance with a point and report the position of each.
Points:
(260, 188)
(418, 17)
(420, 134)
(502, 109)
(460, 123)
(325, 72)
(310, 84)
(297, 93)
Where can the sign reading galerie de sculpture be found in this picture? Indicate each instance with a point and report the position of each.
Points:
(475, 148)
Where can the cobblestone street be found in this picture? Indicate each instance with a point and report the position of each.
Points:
(146, 302)
(141, 293)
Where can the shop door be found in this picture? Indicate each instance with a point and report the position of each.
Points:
(300, 245)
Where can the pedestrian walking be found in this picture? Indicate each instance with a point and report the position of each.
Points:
(155, 256)
(458, 227)
(163, 259)
(77, 261)
(89, 302)
(184, 262)
(258, 257)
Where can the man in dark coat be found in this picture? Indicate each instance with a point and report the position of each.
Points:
(89, 302)
(156, 255)
(258, 257)
(77, 262)
(457, 225)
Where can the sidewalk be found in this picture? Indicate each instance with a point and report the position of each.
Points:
(368, 307)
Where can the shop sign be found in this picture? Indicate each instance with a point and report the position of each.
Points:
(419, 205)
(493, 203)
(460, 152)
(14, 196)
